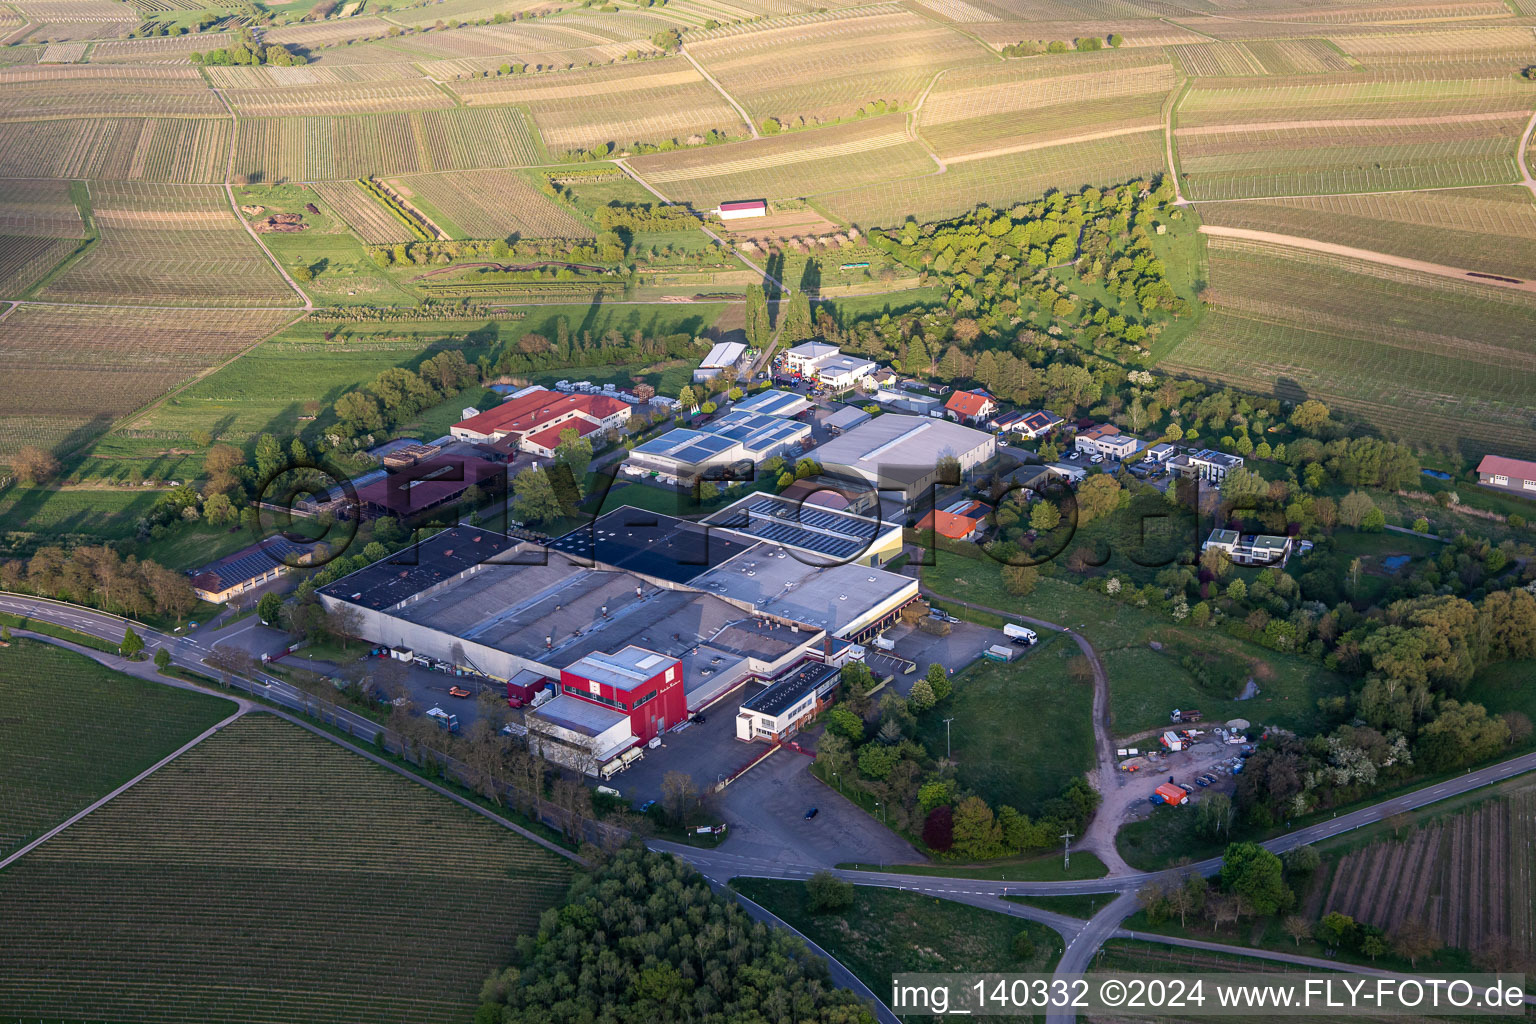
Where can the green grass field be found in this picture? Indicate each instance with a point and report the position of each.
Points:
(1145, 683)
(1022, 730)
(269, 876)
(886, 931)
(74, 730)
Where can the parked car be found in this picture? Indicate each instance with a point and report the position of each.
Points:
(1096, 459)
(1201, 782)
(1073, 456)
(696, 719)
(1186, 787)
(812, 813)
(1002, 442)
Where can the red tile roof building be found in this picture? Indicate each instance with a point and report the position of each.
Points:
(947, 524)
(971, 406)
(535, 421)
(1508, 474)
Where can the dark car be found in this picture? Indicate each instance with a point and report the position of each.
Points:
(812, 813)
(696, 719)
(1202, 782)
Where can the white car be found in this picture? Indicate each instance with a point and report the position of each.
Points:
(1096, 459)
(1002, 442)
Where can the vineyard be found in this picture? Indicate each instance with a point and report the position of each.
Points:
(1447, 365)
(125, 148)
(72, 370)
(494, 204)
(24, 259)
(999, 34)
(1000, 180)
(1467, 876)
(826, 66)
(322, 888)
(358, 209)
(1481, 229)
(169, 245)
(976, 113)
(337, 148)
(1296, 138)
(788, 166)
(106, 91)
(69, 745)
(339, 98)
(650, 101)
(40, 208)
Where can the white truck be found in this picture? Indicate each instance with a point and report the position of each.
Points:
(884, 644)
(1020, 635)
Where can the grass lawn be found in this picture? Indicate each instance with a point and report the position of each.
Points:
(74, 730)
(886, 932)
(1145, 684)
(1021, 730)
(1036, 868)
(42, 515)
(1506, 687)
(1083, 905)
(348, 861)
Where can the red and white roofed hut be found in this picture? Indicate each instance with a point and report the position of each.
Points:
(740, 209)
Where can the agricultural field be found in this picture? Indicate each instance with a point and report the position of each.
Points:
(1445, 364)
(303, 94)
(362, 212)
(335, 32)
(157, 48)
(107, 91)
(359, 146)
(69, 745)
(1483, 229)
(1444, 46)
(419, 897)
(819, 67)
(646, 101)
(1001, 180)
(171, 149)
(1467, 873)
(490, 204)
(788, 166)
(40, 208)
(169, 245)
(1145, 32)
(73, 370)
(983, 112)
(24, 260)
(1254, 138)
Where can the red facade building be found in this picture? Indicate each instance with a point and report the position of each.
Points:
(644, 685)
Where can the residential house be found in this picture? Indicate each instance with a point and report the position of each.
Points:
(1506, 474)
(1037, 424)
(1205, 465)
(535, 419)
(1161, 452)
(1005, 422)
(1250, 549)
(1106, 440)
(951, 525)
(971, 407)
(1069, 472)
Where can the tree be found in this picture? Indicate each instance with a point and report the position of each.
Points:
(32, 465)
(1354, 507)
(1336, 929)
(1373, 946)
(575, 452)
(922, 697)
(132, 644)
(1023, 947)
(977, 833)
(269, 608)
(938, 678)
(1255, 874)
(1097, 496)
(758, 329)
(534, 498)
(1303, 860)
(679, 795)
(1044, 517)
(162, 659)
(1213, 816)
(1461, 734)
(825, 891)
(939, 829)
(1020, 579)
(1297, 928)
(1413, 940)
(1309, 415)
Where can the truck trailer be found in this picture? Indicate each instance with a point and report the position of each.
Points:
(1020, 635)
(997, 652)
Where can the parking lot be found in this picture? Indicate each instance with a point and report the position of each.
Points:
(963, 645)
(708, 753)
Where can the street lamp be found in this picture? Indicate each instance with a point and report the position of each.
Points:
(947, 751)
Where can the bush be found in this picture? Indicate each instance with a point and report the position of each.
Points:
(939, 829)
(826, 892)
(1023, 947)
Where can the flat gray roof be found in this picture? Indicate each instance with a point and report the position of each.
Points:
(897, 440)
(579, 716)
(835, 536)
(830, 597)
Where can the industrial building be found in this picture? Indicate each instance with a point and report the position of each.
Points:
(534, 419)
(728, 447)
(774, 403)
(726, 355)
(826, 364)
(638, 620)
(248, 568)
(905, 452)
(815, 533)
(779, 711)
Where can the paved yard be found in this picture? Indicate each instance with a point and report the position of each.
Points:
(964, 645)
(707, 752)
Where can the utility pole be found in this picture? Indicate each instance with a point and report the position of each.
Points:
(1066, 850)
(947, 756)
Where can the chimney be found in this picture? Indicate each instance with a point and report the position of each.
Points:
(826, 645)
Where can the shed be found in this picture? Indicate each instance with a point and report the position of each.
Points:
(1173, 741)
(1172, 795)
(846, 418)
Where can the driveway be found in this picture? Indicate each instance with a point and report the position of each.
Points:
(964, 645)
(707, 752)
(766, 812)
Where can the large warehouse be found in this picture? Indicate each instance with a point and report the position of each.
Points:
(641, 618)
(904, 452)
